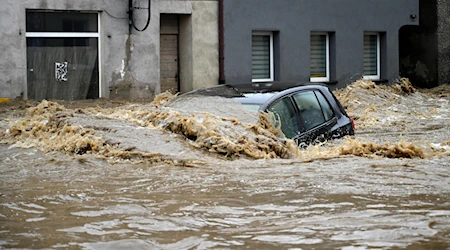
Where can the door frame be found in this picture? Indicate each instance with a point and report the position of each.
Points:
(77, 35)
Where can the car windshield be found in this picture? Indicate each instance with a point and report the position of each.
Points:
(253, 101)
(251, 106)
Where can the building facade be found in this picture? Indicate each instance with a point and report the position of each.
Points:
(330, 41)
(63, 49)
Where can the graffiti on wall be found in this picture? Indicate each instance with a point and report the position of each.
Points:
(61, 70)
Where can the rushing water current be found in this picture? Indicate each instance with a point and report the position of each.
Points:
(105, 175)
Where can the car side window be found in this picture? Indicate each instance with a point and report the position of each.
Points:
(310, 109)
(285, 111)
(326, 108)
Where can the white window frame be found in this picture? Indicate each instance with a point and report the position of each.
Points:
(378, 75)
(270, 34)
(327, 43)
(78, 35)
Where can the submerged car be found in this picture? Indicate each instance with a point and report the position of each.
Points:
(307, 113)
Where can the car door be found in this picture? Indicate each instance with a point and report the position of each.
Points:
(316, 116)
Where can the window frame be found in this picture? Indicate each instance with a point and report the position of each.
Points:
(271, 60)
(327, 58)
(378, 75)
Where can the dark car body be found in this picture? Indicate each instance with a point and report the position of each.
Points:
(308, 113)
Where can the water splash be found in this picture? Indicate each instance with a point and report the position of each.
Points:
(51, 126)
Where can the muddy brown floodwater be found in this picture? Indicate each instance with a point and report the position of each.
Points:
(195, 173)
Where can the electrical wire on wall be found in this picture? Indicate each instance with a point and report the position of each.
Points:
(131, 9)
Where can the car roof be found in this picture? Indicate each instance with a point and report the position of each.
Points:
(258, 93)
(265, 87)
(254, 92)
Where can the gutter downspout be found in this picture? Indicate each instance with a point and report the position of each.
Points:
(130, 16)
(221, 44)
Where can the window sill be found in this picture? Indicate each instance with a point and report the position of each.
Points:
(327, 82)
(380, 81)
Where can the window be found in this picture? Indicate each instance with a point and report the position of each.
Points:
(62, 21)
(320, 57)
(284, 110)
(63, 55)
(262, 56)
(372, 56)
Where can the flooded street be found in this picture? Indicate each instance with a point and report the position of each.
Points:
(116, 175)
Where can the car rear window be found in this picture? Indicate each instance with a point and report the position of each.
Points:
(326, 108)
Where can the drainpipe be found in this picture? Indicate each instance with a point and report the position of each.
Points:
(130, 16)
(221, 45)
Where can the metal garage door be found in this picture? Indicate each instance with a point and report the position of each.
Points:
(169, 53)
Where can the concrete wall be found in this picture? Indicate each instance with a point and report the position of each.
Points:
(142, 78)
(205, 36)
(443, 33)
(293, 21)
(130, 60)
(199, 53)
